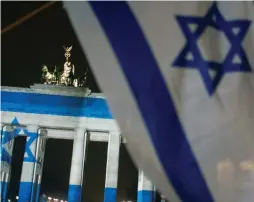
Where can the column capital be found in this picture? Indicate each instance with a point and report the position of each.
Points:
(80, 129)
(8, 128)
(43, 132)
(79, 133)
(115, 132)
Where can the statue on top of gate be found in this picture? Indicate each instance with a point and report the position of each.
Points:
(66, 77)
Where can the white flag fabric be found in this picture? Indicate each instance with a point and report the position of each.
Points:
(178, 77)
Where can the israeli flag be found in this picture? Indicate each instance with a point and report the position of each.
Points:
(178, 77)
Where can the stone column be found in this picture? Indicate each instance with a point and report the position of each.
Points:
(4, 186)
(7, 142)
(40, 151)
(77, 165)
(145, 188)
(110, 192)
(26, 181)
(38, 189)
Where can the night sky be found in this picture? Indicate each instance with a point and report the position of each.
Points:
(24, 49)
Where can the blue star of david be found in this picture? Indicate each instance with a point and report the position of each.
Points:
(32, 137)
(8, 136)
(15, 122)
(213, 19)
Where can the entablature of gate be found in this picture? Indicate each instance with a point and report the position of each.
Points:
(57, 107)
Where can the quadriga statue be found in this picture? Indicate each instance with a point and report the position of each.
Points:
(67, 76)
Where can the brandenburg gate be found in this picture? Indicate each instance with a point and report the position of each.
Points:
(60, 107)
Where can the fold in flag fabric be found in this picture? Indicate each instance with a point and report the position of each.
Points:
(178, 78)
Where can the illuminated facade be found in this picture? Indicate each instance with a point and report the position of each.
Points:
(47, 111)
(61, 108)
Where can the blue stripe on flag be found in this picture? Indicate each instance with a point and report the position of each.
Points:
(153, 99)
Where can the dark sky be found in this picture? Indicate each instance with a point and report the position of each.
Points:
(24, 49)
(37, 41)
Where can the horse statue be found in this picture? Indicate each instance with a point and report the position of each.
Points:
(48, 77)
(82, 81)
